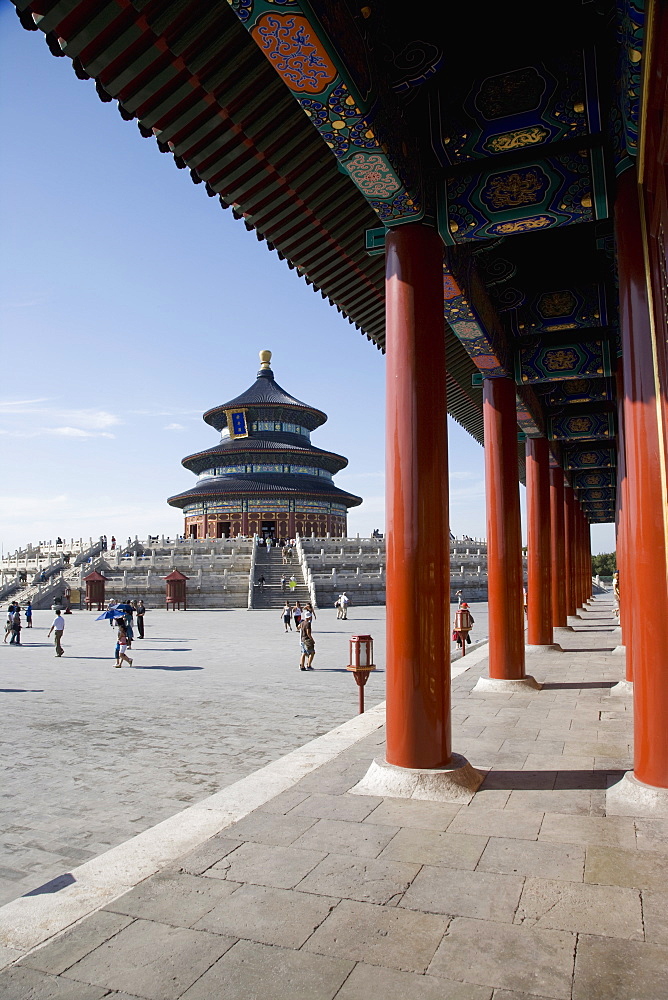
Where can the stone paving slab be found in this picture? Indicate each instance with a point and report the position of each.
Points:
(202, 707)
(529, 893)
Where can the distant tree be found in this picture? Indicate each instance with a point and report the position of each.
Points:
(604, 564)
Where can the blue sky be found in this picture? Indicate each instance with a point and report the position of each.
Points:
(131, 303)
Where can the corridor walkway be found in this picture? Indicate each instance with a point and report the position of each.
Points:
(529, 891)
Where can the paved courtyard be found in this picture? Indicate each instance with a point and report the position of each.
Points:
(93, 755)
(534, 889)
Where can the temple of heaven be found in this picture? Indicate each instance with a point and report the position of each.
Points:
(264, 477)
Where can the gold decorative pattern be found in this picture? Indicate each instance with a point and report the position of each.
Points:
(561, 303)
(516, 139)
(521, 225)
(561, 360)
(515, 189)
(579, 425)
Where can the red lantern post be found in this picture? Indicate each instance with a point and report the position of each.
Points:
(361, 662)
(95, 590)
(176, 590)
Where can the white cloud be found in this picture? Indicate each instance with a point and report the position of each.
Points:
(52, 420)
(76, 432)
(95, 419)
(12, 404)
(174, 427)
(167, 413)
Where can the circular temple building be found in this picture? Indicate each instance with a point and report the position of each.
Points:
(264, 477)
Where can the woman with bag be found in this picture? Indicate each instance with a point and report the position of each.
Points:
(122, 646)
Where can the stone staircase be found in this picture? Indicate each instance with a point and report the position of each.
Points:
(44, 595)
(268, 563)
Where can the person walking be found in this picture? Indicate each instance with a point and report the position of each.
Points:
(29, 615)
(292, 583)
(261, 581)
(113, 543)
(286, 615)
(58, 627)
(284, 581)
(297, 614)
(345, 601)
(122, 646)
(15, 627)
(140, 611)
(307, 647)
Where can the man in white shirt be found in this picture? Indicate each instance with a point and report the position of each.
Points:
(345, 601)
(58, 627)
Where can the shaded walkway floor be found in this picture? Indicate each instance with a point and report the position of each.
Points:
(530, 891)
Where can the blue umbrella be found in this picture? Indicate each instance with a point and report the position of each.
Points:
(123, 608)
(112, 613)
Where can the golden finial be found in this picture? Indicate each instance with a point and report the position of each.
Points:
(265, 359)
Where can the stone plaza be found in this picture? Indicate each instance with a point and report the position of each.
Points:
(95, 755)
(535, 888)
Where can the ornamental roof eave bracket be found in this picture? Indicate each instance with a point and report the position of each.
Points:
(471, 315)
(341, 104)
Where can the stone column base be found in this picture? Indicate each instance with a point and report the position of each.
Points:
(630, 797)
(457, 783)
(552, 647)
(498, 685)
(622, 687)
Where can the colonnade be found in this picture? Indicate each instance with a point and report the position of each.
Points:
(559, 544)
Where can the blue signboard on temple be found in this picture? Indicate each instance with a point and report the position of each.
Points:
(236, 422)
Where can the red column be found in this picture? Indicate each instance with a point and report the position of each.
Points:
(625, 617)
(570, 550)
(557, 546)
(244, 523)
(504, 534)
(580, 521)
(418, 547)
(646, 539)
(576, 570)
(538, 542)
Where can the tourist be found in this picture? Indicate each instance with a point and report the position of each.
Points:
(15, 627)
(309, 615)
(122, 646)
(286, 615)
(58, 627)
(261, 581)
(127, 621)
(342, 606)
(140, 611)
(297, 614)
(307, 647)
(42, 577)
(113, 543)
(29, 615)
(292, 584)
(284, 580)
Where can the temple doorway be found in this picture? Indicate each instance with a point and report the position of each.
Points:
(268, 529)
(222, 529)
(192, 531)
